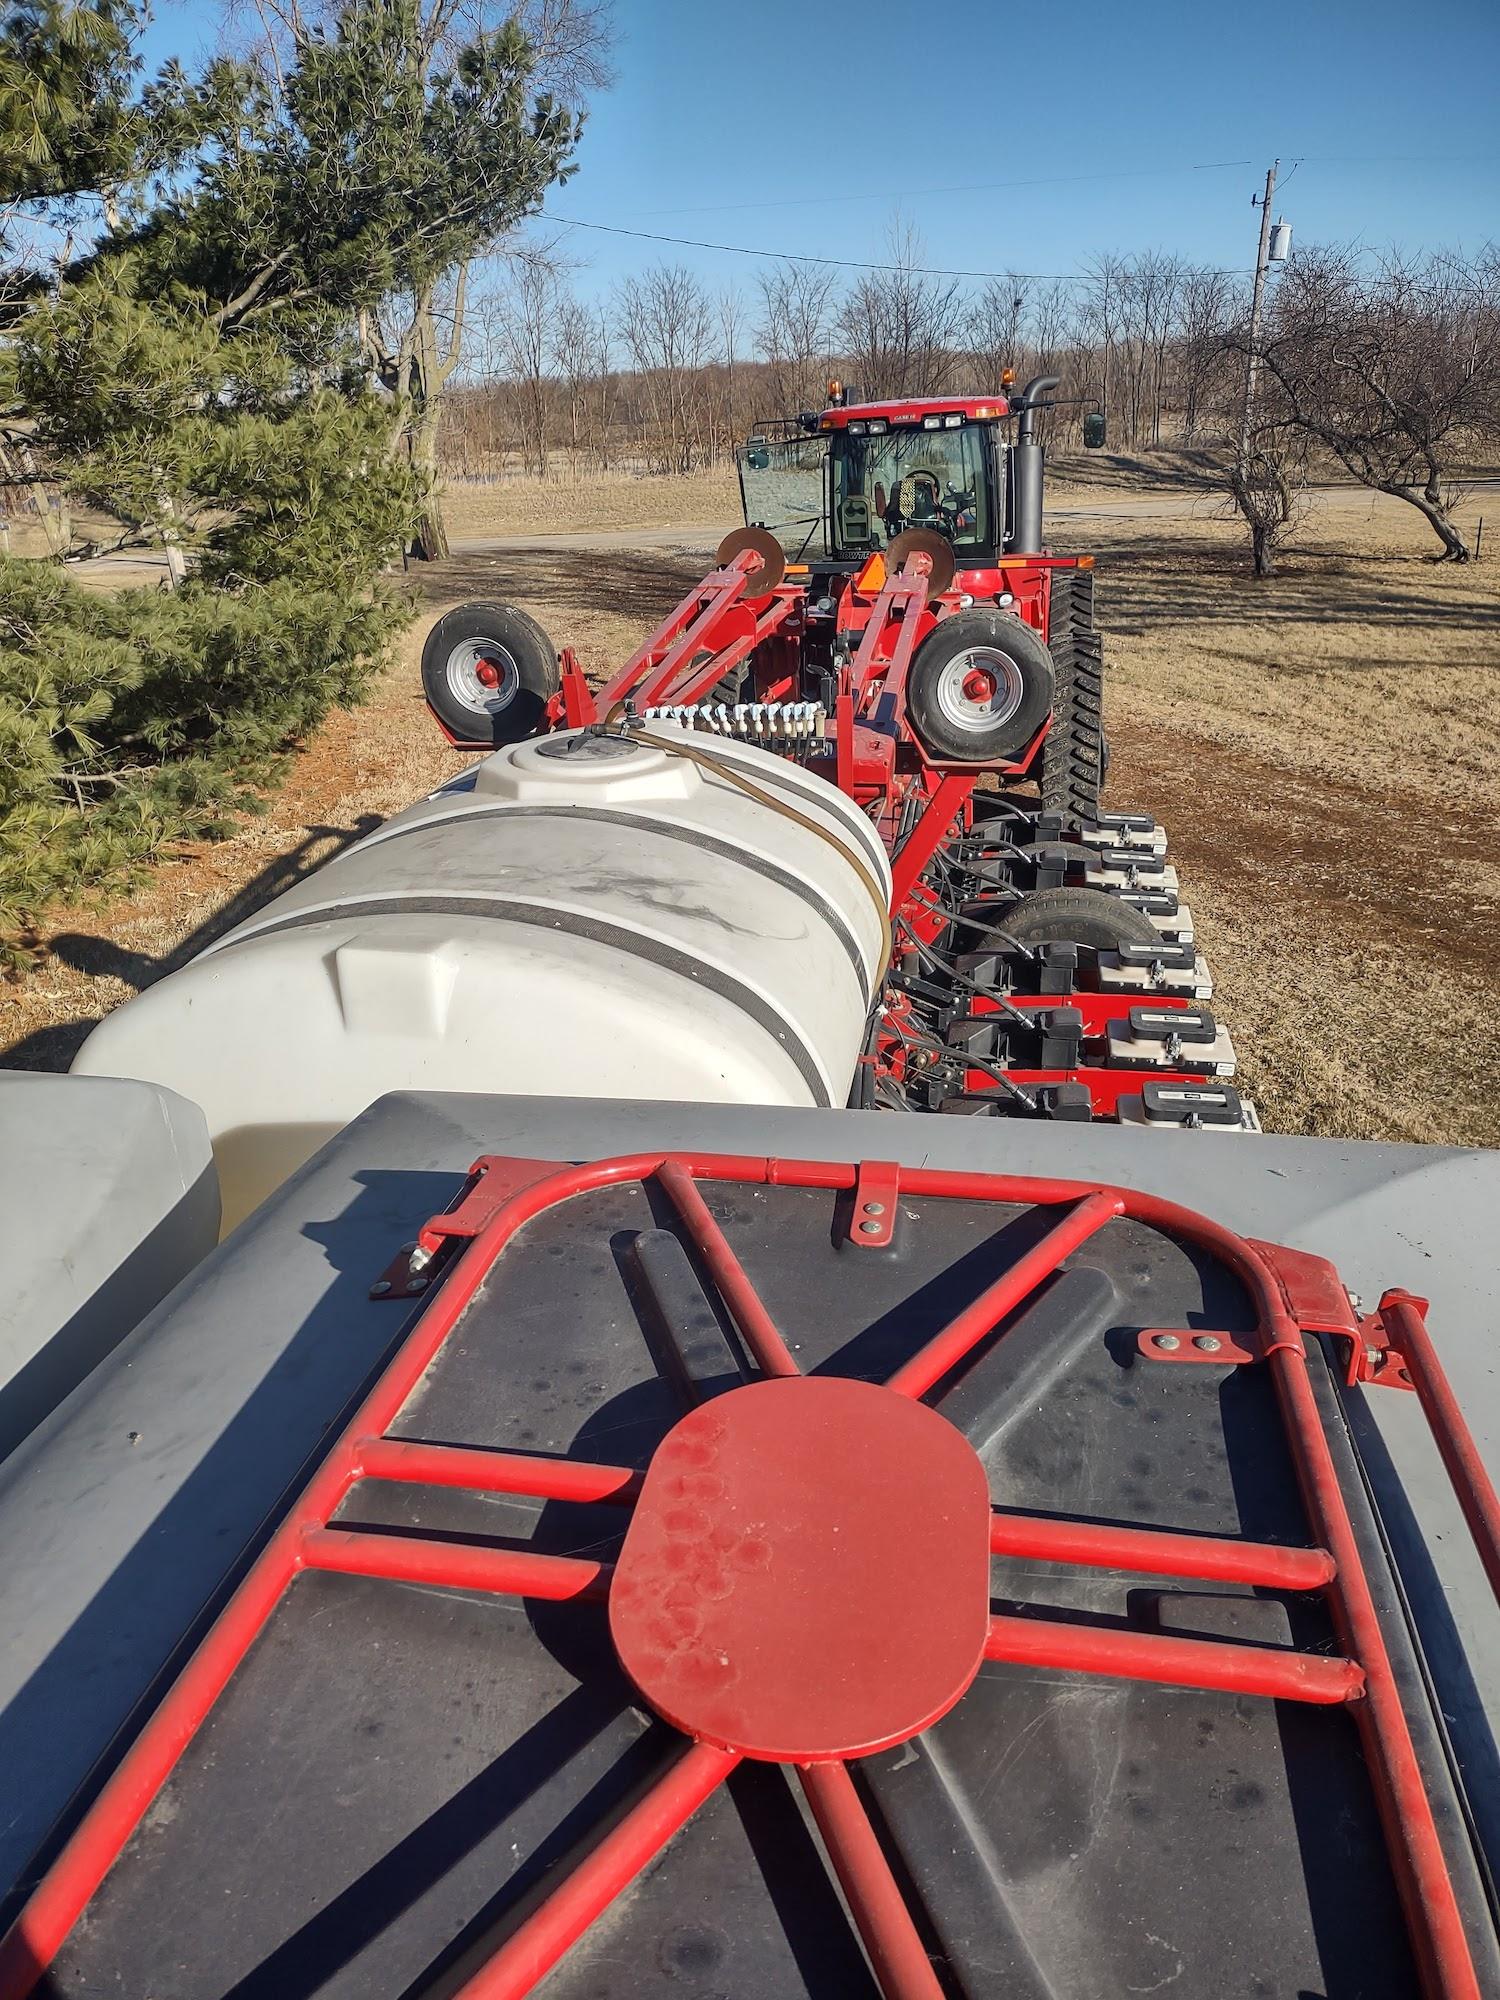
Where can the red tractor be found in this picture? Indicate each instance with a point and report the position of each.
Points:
(890, 618)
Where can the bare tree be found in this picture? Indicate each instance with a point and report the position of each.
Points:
(730, 311)
(1397, 375)
(794, 331)
(665, 324)
(899, 326)
(994, 328)
(1099, 310)
(521, 320)
(1210, 301)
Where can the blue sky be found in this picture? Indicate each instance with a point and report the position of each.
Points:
(801, 127)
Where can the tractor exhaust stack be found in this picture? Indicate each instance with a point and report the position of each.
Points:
(1027, 460)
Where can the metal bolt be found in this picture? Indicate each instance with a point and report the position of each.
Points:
(1169, 1341)
(134, 1436)
(1209, 1342)
(874, 1208)
(419, 1259)
(379, 1289)
(869, 1229)
(416, 1284)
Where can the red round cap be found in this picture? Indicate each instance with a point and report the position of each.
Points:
(806, 1572)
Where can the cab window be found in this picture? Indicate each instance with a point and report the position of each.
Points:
(887, 481)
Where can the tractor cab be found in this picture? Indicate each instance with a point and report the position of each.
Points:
(839, 486)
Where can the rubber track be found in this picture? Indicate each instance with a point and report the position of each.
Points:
(1072, 754)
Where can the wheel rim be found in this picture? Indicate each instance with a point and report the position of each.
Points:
(979, 688)
(482, 675)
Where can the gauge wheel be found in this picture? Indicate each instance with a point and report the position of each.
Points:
(1077, 916)
(980, 687)
(488, 672)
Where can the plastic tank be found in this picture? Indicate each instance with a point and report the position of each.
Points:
(580, 915)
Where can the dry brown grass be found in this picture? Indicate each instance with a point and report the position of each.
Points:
(611, 501)
(1324, 751)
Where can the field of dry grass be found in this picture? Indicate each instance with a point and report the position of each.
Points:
(602, 502)
(1324, 750)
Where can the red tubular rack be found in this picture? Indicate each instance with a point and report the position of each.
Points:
(510, 1194)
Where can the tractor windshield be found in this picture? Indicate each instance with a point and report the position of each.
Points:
(783, 483)
(888, 480)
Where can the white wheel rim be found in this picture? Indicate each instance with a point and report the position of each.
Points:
(466, 681)
(979, 688)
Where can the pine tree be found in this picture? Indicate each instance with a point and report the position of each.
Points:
(213, 369)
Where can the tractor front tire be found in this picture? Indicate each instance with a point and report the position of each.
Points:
(488, 672)
(1074, 757)
(980, 687)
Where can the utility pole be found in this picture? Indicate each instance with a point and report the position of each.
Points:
(1257, 300)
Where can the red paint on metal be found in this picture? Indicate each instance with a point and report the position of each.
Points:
(1105, 1086)
(944, 807)
(1176, 1343)
(1198, 1663)
(1406, 1317)
(790, 1536)
(1160, 1552)
(1311, 1289)
(970, 407)
(451, 1565)
(1365, 1678)
(1426, 1889)
(758, 1330)
(493, 1180)
(901, 1965)
(1099, 1010)
(872, 1219)
(478, 1471)
(947, 1348)
(529, 1954)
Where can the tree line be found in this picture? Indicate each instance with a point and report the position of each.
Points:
(1383, 370)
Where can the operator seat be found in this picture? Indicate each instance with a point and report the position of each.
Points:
(918, 494)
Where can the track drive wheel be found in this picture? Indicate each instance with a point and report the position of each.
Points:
(488, 671)
(1074, 756)
(980, 687)
(1077, 916)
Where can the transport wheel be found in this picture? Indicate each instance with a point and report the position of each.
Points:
(980, 687)
(488, 671)
(1078, 916)
(1074, 757)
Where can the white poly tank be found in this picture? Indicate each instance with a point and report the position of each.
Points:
(580, 915)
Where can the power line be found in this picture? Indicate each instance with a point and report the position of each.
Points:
(843, 263)
(964, 187)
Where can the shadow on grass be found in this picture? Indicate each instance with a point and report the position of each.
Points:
(97, 956)
(1176, 580)
(634, 584)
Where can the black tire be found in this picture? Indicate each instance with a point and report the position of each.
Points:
(1077, 916)
(497, 636)
(1074, 756)
(1021, 666)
